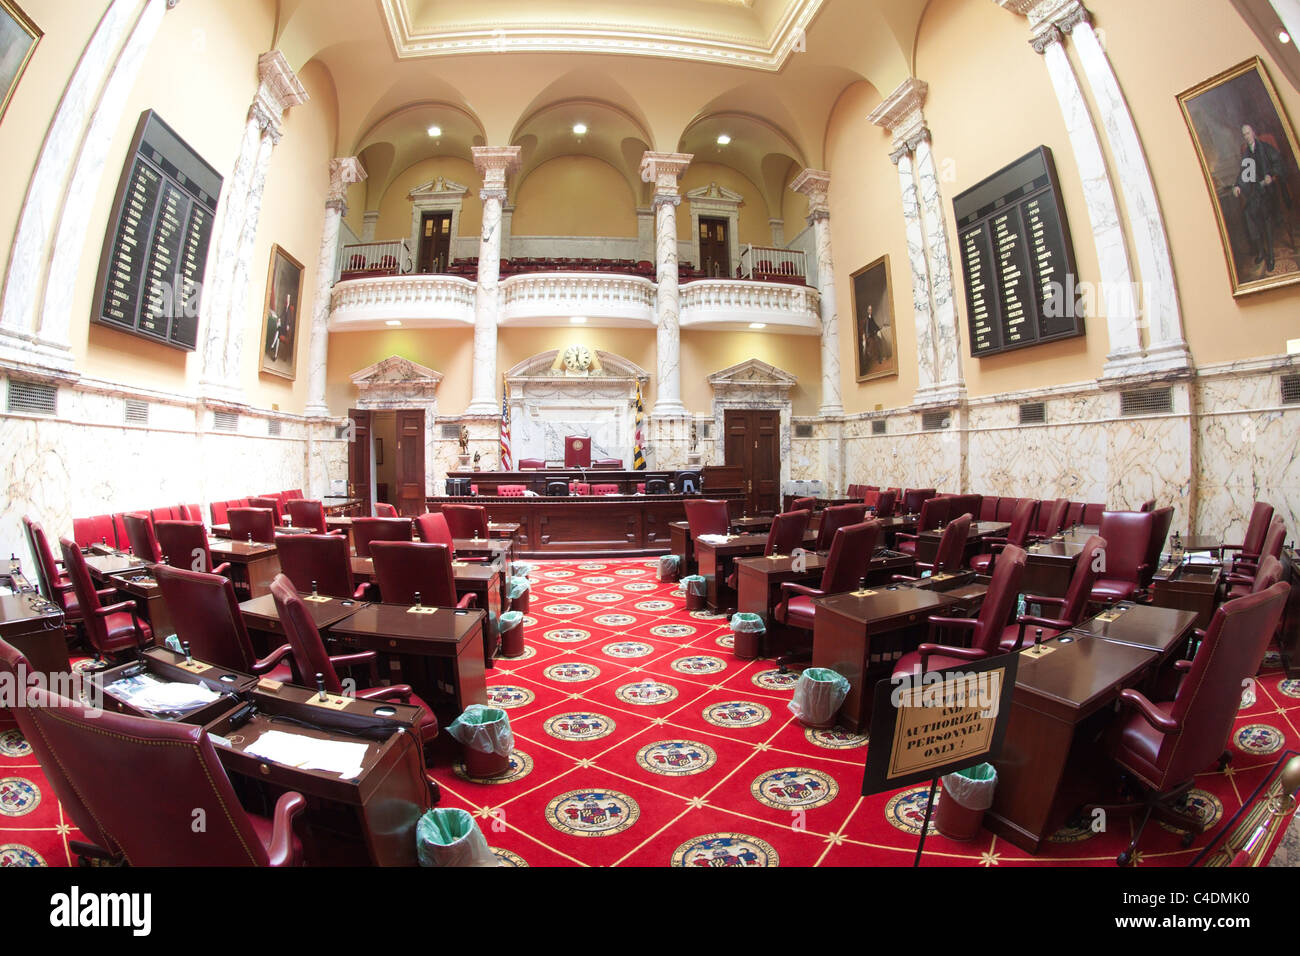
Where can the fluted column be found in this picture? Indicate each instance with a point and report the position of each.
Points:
(495, 163)
(343, 173)
(665, 170)
(815, 184)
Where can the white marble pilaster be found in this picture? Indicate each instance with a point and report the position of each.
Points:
(236, 325)
(665, 170)
(926, 362)
(495, 163)
(815, 184)
(369, 223)
(645, 234)
(947, 337)
(778, 232)
(343, 173)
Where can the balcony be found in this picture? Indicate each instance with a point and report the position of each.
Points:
(736, 304)
(604, 299)
(420, 301)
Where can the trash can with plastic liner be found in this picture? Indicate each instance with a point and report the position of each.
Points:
(485, 735)
(670, 567)
(966, 795)
(747, 631)
(818, 696)
(451, 837)
(696, 589)
(517, 588)
(512, 633)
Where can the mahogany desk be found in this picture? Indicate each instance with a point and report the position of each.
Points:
(337, 506)
(681, 544)
(169, 667)
(752, 523)
(102, 566)
(1049, 565)
(1158, 629)
(759, 579)
(148, 601)
(262, 618)
(927, 542)
(501, 550)
(441, 654)
(861, 635)
(223, 530)
(259, 562)
(1190, 587)
(715, 561)
(39, 635)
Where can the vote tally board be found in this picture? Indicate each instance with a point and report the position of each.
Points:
(1017, 258)
(156, 249)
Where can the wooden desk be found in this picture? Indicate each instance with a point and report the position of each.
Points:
(148, 601)
(352, 507)
(1049, 565)
(890, 527)
(262, 619)
(259, 563)
(1190, 587)
(104, 566)
(500, 550)
(38, 634)
(682, 545)
(861, 636)
(1163, 631)
(441, 654)
(223, 530)
(755, 524)
(927, 542)
(759, 580)
(167, 666)
(964, 587)
(1051, 763)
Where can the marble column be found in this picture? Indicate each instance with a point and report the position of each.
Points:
(778, 232)
(815, 184)
(236, 327)
(34, 331)
(949, 379)
(343, 173)
(370, 221)
(665, 171)
(495, 163)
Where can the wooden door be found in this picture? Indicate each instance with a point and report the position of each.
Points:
(435, 242)
(359, 458)
(715, 249)
(410, 462)
(753, 441)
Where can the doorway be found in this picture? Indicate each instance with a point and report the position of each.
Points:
(715, 249)
(753, 441)
(386, 459)
(435, 242)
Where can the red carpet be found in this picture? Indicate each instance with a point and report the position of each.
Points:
(641, 741)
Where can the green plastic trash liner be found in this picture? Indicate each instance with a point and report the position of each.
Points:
(450, 837)
(973, 787)
(484, 728)
(517, 587)
(510, 619)
(670, 566)
(818, 695)
(747, 624)
(695, 584)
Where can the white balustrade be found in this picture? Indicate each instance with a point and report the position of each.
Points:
(728, 304)
(365, 259)
(772, 264)
(428, 301)
(611, 298)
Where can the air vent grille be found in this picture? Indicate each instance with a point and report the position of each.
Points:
(137, 412)
(225, 421)
(32, 398)
(1033, 413)
(1291, 389)
(878, 426)
(273, 427)
(803, 431)
(1146, 401)
(935, 421)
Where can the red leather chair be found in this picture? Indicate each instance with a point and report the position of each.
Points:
(311, 659)
(840, 516)
(985, 629)
(140, 535)
(1128, 535)
(113, 629)
(1070, 608)
(1051, 518)
(321, 559)
(119, 531)
(161, 772)
(706, 516)
(272, 504)
(1270, 572)
(1244, 571)
(511, 491)
(206, 615)
(913, 498)
(384, 510)
(787, 532)
(989, 507)
(466, 521)
(804, 504)
(305, 513)
(577, 451)
(966, 504)
(579, 488)
(886, 503)
(252, 524)
(185, 545)
(54, 582)
(1016, 535)
(1092, 513)
(856, 491)
(431, 528)
(366, 530)
(1148, 505)
(1163, 745)
(1161, 519)
(190, 513)
(1261, 515)
(527, 464)
(951, 552)
(934, 515)
(96, 530)
(22, 676)
(406, 568)
(604, 489)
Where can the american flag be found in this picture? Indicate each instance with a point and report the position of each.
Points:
(507, 463)
(638, 456)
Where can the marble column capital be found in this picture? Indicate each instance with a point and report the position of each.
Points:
(666, 199)
(279, 80)
(499, 193)
(664, 169)
(1045, 38)
(344, 172)
(816, 185)
(897, 155)
(818, 215)
(495, 163)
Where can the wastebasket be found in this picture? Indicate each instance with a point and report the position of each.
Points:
(485, 735)
(966, 795)
(450, 837)
(747, 631)
(818, 695)
(670, 566)
(696, 589)
(517, 588)
(512, 633)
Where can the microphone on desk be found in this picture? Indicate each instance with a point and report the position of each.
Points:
(185, 646)
(320, 686)
(313, 589)
(417, 598)
(1038, 640)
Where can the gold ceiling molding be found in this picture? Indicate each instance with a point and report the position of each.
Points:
(647, 38)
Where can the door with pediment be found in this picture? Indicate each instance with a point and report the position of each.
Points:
(753, 441)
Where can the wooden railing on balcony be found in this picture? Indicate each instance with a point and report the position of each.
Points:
(364, 260)
(769, 264)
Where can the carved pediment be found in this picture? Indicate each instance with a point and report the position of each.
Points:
(393, 372)
(606, 366)
(713, 193)
(439, 188)
(753, 374)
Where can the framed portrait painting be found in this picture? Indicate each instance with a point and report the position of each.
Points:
(280, 315)
(873, 322)
(1248, 155)
(18, 39)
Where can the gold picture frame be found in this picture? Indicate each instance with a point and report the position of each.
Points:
(1251, 162)
(281, 315)
(875, 346)
(18, 39)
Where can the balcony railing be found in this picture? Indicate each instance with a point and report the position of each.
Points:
(769, 264)
(728, 304)
(365, 260)
(614, 298)
(431, 301)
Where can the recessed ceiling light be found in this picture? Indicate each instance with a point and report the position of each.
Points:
(758, 325)
(724, 139)
(578, 319)
(1284, 37)
(393, 322)
(579, 129)
(435, 130)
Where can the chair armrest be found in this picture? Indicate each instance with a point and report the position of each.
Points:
(901, 578)
(1044, 599)
(102, 592)
(1241, 579)
(221, 568)
(398, 692)
(469, 600)
(338, 531)
(790, 587)
(287, 809)
(115, 608)
(1182, 665)
(361, 590)
(1161, 722)
(270, 660)
(901, 536)
(936, 621)
(1059, 623)
(351, 660)
(965, 653)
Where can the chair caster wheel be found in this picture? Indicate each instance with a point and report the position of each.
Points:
(1124, 858)
(1187, 840)
(435, 793)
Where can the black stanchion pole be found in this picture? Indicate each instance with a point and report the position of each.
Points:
(925, 827)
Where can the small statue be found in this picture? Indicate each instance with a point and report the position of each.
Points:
(695, 437)
(476, 460)
(464, 440)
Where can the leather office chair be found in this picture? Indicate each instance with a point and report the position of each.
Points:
(707, 516)
(111, 629)
(431, 528)
(1148, 505)
(511, 491)
(580, 488)
(1128, 535)
(885, 504)
(1016, 535)
(96, 530)
(527, 464)
(405, 568)
(690, 482)
(846, 566)
(153, 823)
(604, 489)
(985, 629)
(384, 510)
(804, 504)
(1162, 746)
(1092, 512)
(1261, 515)
(913, 498)
(140, 535)
(185, 545)
(50, 576)
(1161, 519)
(272, 505)
(119, 531)
(252, 524)
(786, 534)
(1069, 609)
(656, 486)
(468, 521)
(1244, 571)
(206, 615)
(322, 559)
(950, 553)
(1051, 519)
(305, 513)
(311, 659)
(840, 516)
(555, 489)
(366, 530)
(1269, 573)
(934, 515)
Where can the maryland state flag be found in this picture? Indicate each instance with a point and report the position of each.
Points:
(638, 456)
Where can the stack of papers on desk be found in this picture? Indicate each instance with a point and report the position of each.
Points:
(715, 538)
(309, 753)
(147, 692)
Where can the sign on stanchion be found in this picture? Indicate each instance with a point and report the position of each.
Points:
(926, 725)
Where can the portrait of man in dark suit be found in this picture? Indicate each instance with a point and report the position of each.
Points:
(873, 327)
